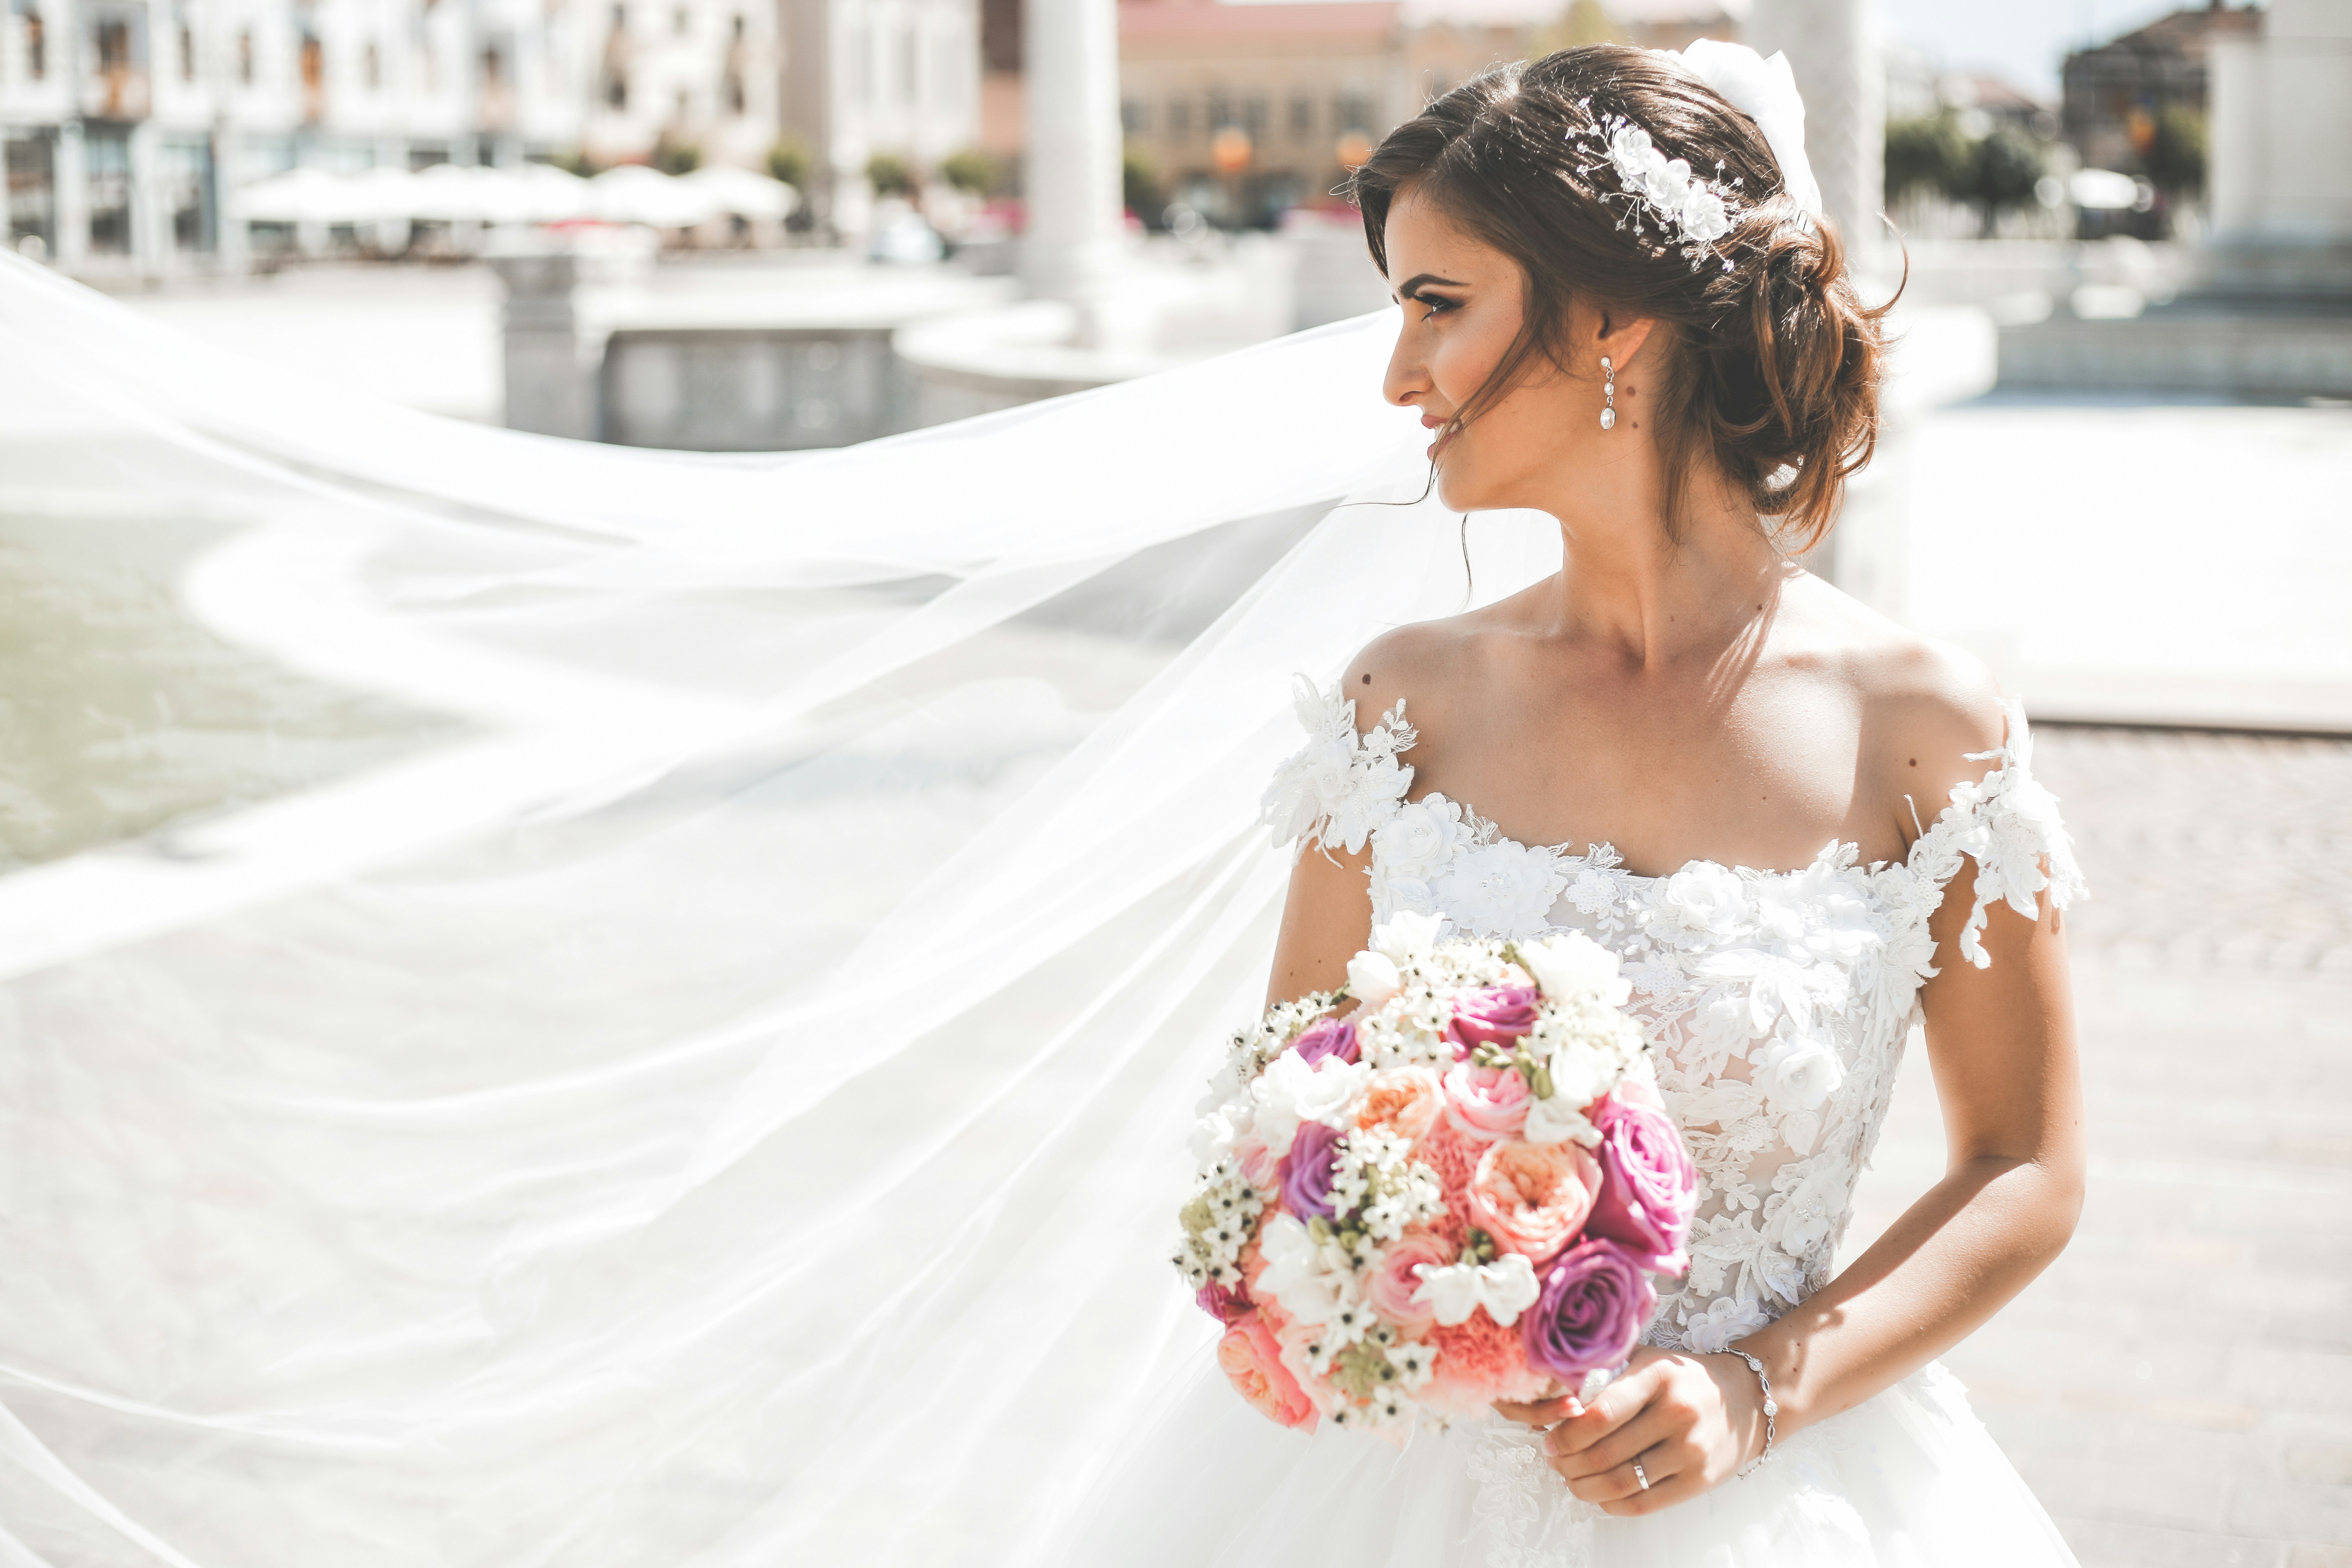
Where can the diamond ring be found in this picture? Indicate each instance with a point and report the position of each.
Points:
(1641, 1474)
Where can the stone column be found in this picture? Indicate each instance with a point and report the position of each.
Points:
(1071, 181)
(550, 370)
(1833, 48)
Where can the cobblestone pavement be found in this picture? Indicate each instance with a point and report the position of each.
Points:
(2178, 1387)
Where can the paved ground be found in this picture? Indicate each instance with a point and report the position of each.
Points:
(2177, 1388)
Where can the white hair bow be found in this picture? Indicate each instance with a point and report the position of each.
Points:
(1766, 92)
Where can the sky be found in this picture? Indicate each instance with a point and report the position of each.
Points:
(2022, 41)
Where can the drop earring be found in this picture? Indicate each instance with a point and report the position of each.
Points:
(1608, 391)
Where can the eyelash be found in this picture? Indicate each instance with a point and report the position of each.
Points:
(1436, 307)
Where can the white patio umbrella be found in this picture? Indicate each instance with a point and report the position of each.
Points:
(549, 194)
(301, 196)
(635, 194)
(385, 194)
(744, 193)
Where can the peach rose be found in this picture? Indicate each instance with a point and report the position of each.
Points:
(1394, 1283)
(1533, 1198)
(1260, 1166)
(1407, 1099)
(1486, 1102)
(1251, 1359)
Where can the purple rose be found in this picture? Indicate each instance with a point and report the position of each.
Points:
(1228, 1307)
(1491, 1017)
(1306, 1172)
(1649, 1190)
(1327, 1038)
(1596, 1300)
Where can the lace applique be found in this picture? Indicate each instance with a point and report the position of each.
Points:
(2010, 825)
(1522, 1514)
(1340, 784)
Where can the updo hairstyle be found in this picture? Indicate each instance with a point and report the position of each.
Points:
(1770, 368)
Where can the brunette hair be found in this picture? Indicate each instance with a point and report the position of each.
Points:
(1770, 368)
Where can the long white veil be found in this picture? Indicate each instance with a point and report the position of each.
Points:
(715, 1094)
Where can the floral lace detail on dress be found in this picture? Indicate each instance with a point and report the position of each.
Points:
(1776, 1003)
(1338, 786)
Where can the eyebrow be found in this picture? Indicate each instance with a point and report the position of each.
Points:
(1404, 290)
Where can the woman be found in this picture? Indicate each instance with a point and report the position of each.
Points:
(1677, 369)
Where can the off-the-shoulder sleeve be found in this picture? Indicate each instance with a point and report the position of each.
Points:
(1340, 784)
(2009, 824)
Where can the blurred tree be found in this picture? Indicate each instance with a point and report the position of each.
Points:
(2176, 155)
(577, 162)
(788, 161)
(1138, 183)
(2003, 170)
(672, 157)
(1926, 155)
(972, 170)
(1579, 22)
(890, 176)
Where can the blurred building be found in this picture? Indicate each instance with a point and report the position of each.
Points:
(2118, 95)
(130, 124)
(868, 77)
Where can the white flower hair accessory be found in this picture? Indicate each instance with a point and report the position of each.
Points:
(1659, 192)
(1690, 210)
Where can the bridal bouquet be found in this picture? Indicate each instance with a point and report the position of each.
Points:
(1453, 1194)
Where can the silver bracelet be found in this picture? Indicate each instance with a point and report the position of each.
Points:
(1771, 1409)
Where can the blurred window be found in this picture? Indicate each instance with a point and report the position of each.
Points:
(1354, 111)
(32, 194)
(106, 179)
(244, 56)
(1302, 117)
(1221, 111)
(1133, 117)
(37, 46)
(188, 53)
(185, 164)
(680, 20)
(1179, 117)
(1254, 118)
(371, 67)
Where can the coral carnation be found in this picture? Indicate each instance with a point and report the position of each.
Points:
(1478, 1362)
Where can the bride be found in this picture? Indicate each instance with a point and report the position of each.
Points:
(1796, 823)
(717, 1105)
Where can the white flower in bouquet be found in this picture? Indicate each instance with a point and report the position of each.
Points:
(1292, 1091)
(1405, 936)
(1374, 978)
(1505, 1288)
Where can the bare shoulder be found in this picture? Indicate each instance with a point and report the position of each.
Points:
(1420, 664)
(1926, 706)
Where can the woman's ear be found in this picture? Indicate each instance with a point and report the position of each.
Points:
(1621, 337)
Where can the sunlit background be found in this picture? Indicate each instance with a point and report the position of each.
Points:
(2115, 464)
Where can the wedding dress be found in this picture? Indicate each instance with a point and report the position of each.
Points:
(717, 1096)
(1777, 1005)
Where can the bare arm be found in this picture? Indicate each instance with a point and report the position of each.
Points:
(1326, 920)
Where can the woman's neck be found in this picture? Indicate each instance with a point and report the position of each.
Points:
(1660, 595)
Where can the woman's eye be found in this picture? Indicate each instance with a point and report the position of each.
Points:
(1437, 307)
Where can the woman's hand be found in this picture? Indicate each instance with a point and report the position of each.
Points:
(1692, 1421)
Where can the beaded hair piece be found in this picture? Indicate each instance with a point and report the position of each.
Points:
(1688, 211)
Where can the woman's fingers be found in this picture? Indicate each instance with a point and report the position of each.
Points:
(1611, 1452)
(1610, 1410)
(1542, 1413)
(1677, 1488)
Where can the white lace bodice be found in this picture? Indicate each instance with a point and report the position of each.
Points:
(1776, 1003)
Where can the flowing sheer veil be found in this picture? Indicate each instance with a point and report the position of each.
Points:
(719, 1098)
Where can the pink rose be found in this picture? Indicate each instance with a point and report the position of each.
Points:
(1393, 1283)
(1649, 1189)
(1228, 1307)
(1327, 1038)
(1486, 1102)
(1533, 1198)
(1406, 1100)
(1251, 1359)
(1261, 1167)
(1596, 1300)
(1491, 1017)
